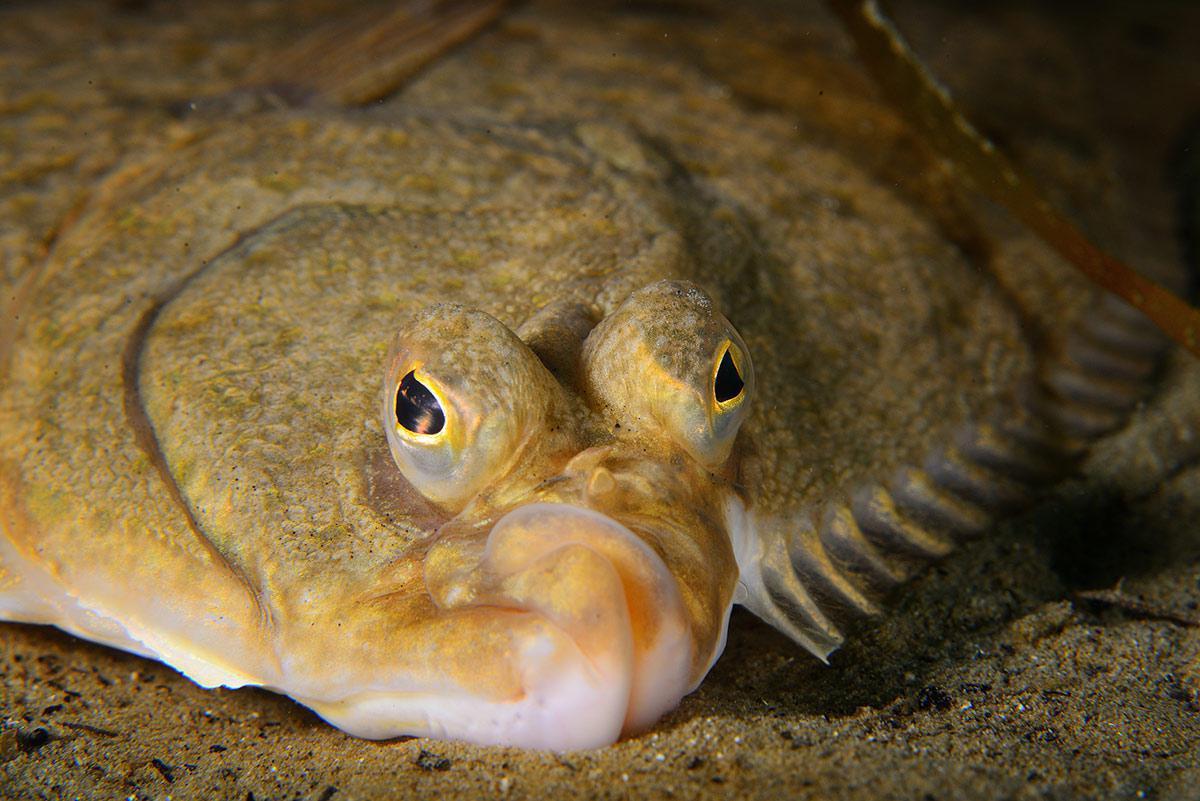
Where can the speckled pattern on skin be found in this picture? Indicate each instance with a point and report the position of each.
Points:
(986, 682)
(68, 121)
(287, 247)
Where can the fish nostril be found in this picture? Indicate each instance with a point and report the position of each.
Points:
(601, 483)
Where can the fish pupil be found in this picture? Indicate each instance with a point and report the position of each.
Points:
(416, 407)
(728, 384)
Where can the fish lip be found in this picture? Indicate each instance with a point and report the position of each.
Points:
(598, 654)
(663, 642)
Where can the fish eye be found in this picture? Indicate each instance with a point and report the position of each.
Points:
(464, 400)
(667, 362)
(729, 388)
(418, 410)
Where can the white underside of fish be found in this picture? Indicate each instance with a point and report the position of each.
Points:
(572, 700)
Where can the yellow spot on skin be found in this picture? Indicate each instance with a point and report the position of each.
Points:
(281, 182)
(130, 219)
(299, 127)
(422, 183)
(466, 258)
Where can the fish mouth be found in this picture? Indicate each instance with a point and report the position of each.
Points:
(597, 638)
(538, 536)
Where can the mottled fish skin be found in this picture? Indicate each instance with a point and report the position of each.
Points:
(568, 228)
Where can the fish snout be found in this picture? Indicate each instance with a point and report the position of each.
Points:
(618, 652)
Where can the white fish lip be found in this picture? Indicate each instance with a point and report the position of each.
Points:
(605, 665)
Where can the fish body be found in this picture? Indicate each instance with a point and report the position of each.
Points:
(645, 352)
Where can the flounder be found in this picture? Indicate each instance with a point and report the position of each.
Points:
(471, 414)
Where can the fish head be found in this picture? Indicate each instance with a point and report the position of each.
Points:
(626, 470)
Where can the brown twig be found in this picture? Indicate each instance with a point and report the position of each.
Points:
(368, 53)
(89, 728)
(1137, 607)
(928, 107)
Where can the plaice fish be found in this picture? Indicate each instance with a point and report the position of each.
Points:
(638, 362)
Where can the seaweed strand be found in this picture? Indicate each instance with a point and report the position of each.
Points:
(928, 107)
